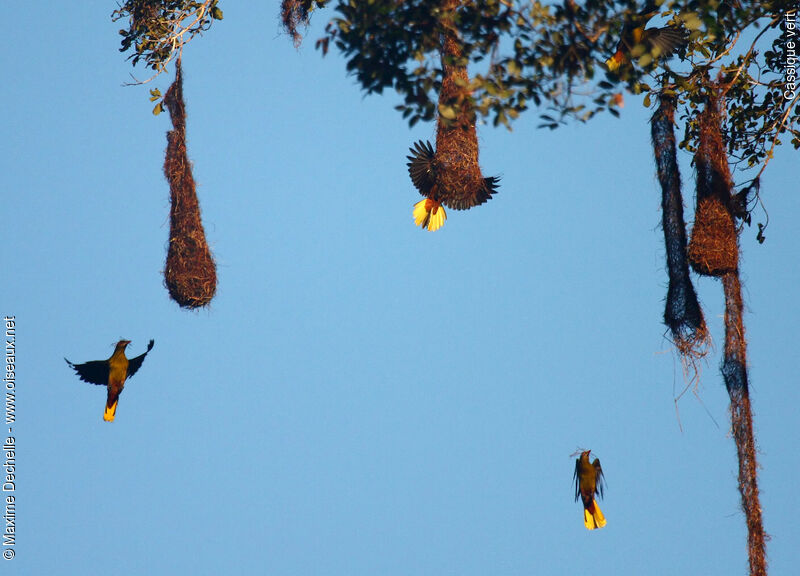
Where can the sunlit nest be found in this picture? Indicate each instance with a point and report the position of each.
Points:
(713, 248)
(457, 138)
(190, 274)
(451, 175)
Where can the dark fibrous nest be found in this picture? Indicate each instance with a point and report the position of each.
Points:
(190, 274)
(713, 248)
(683, 314)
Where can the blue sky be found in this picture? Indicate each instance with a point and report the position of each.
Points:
(361, 397)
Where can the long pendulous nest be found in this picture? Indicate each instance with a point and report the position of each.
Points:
(714, 250)
(714, 247)
(734, 372)
(452, 175)
(190, 274)
(457, 139)
(683, 314)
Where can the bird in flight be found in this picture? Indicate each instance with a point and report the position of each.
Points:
(111, 373)
(442, 184)
(588, 479)
(636, 40)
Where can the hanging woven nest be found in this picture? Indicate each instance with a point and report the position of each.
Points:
(450, 175)
(683, 314)
(190, 274)
(714, 247)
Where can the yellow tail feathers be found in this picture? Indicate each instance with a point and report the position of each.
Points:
(615, 61)
(420, 214)
(108, 415)
(429, 214)
(593, 518)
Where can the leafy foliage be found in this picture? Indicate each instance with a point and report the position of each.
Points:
(158, 29)
(553, 55)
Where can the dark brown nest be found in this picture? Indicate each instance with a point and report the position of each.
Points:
(683, 314)
(713, 248)
(190, 274)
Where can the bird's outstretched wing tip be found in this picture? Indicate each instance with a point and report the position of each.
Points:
(421, 148)
(421, 167)
(492, 184)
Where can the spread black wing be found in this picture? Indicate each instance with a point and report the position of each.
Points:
(490, 186)
(666, 39)
(94, 372)
(467, 198)
(422, 168)
(599, 480)
(135, 363)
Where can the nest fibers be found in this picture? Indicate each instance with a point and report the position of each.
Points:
(734, 371)
(714, 247)
(683, 314)
(714, 250)
(295, 13)
(190, 274)
(451, 175)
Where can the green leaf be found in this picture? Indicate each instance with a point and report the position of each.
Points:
(691, 21)
(158, 109)
(447, 112)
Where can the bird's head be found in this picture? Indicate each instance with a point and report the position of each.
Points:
(122, 344)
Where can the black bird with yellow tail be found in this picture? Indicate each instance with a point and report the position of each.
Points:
(636, 40)
(589, 481)
(111, 373)
(450, 176)
(443, 184)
